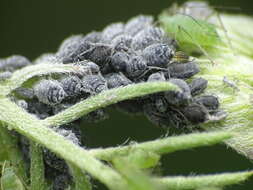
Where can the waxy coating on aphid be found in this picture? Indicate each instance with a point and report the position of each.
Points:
(184, 70)
(158, 55)
(115, 80)
(49, 92)
(13, 63)
(197, 86)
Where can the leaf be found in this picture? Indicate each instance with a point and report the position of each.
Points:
(9, 179)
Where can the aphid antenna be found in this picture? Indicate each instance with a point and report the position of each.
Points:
(199, 46)
(219, 20)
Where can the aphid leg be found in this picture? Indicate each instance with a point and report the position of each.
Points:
(224, 29)
(199, 46)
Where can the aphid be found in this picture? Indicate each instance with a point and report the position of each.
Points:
(72, 86)
(46, 58)
(136, 24)
(209, 101)
(93, 37)
(182, 71)
(178, 98)
(115, 80)
(13, 63)
(5, 75)
(39, 109)
(147, 37)
(23, 104)
(94, 84)
(172, 117)
(136, 66)
(158, 55)
(195, 113)
(111, 31)
(69, 45)
(159, 76)
(230, 83)
(122, 42)
(87, 68)
(98, 53)
(197, 86)
(192, 34)
(72, 54)
(49, 92)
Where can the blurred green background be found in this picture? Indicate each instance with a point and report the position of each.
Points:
(31, 28)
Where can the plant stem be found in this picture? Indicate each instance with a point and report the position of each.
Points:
(163, 146)
(37, 171)
(194, 182)
(34, 129)
(107, 98)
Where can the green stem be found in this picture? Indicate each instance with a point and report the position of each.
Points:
(107, 98)
(22, 75)
(37, 168)
(163, 146)
(194, 182)
(81, 179)
(34, 129)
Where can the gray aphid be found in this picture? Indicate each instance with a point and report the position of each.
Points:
(209, 101)
(49, 92)
(111, 31)
(122, 42)
(183, 71)
(13, 63)
(158, 55)
(72, 85)
(136, 24)
(46, 58)
(197, 86)
(178, 98)
(93, 37)
(155, 77)
(98, 53)
(5, 75)
(23, 104)
(115, 80)
(195, 113)
(94, 84)
(147, 37)
(69, 45)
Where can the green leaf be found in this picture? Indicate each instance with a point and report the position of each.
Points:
(9, 179)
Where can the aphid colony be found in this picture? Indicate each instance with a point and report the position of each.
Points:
(120, 55)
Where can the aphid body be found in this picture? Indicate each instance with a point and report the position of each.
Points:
(158, 55)
(136, 24)
(49, 92)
